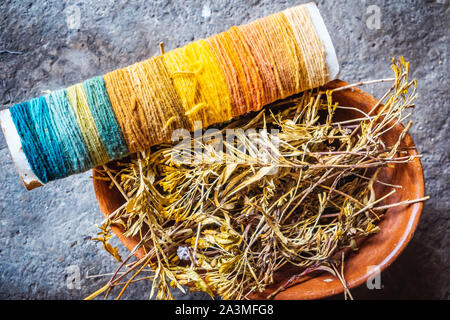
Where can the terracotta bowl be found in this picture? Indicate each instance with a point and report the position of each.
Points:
(375, 253)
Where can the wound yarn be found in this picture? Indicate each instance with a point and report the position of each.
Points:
(211, 80)
(199, 82)
(80, 105)
(76, 156)
(104, 118)
(309, 45)
(240, 69)
(39, 140)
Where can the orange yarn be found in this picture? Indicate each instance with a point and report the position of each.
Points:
(144, 99)
(284, 53)
(124, 103)
(240, 70)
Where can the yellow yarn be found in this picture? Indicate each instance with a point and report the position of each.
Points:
(200, 83)
(80, 105)
(152, 86)
(310, 45)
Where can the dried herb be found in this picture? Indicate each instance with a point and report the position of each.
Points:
(103, 236)
(226, 227)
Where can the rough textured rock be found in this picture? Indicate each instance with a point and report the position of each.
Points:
(45, 231)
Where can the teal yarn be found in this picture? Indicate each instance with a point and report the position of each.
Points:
(50, 136)
(76, 156)
(104, 118)
(39, 139)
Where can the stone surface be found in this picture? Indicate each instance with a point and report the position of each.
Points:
(44, 234)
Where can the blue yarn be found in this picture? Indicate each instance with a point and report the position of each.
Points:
(39, 140)
(76, 156)
(104, 118)
(50, 136)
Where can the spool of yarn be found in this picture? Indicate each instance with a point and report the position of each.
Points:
(131, 109)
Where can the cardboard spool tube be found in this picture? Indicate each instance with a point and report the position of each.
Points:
(31, 181)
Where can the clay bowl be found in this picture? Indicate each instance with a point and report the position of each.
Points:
(375, 253)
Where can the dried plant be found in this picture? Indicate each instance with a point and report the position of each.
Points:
(225, 227)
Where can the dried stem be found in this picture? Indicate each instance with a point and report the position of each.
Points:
(225, 225)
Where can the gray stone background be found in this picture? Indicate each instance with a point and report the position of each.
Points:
(47, 230)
